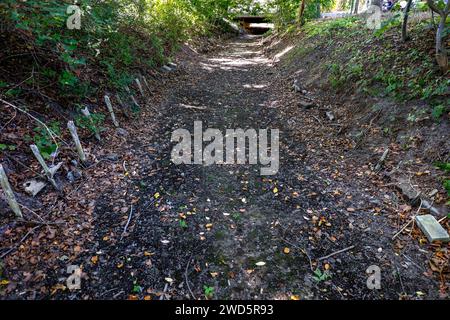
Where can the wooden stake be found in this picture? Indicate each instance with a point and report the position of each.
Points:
(139, 86)
(87, 114)
(41, 161)
(10, 194)
(73, 132)
(111, 111)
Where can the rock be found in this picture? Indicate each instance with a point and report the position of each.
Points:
(407, 190)
(306, 104)
(432, 228)
(74, 175)
(330, 115)
(112, 157)
(296, 86)
(33, 187)
(122, 132)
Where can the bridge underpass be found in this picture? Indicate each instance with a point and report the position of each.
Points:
(254, 24)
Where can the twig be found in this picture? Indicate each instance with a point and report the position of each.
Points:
(20, 242)
(411, 221)
(318, 120)
(128, 222)
(187, 280)
(52, 134)
(164, 291)
(336, 252)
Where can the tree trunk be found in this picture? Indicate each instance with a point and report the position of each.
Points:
(441, 52)
(405, 21)
(301, 12)
(355, 9)
(376, 3)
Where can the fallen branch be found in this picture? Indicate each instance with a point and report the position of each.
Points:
(10, 197)
(336, 253)
(128, 223)
(187, 280)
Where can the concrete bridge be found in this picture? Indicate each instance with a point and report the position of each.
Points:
(254, 24)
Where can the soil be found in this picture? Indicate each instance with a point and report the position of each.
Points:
(245, 235)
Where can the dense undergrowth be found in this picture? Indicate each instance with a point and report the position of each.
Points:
(357, 59)
(56, 58)
(42, 56)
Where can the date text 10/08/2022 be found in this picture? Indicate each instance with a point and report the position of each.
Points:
(239, 309)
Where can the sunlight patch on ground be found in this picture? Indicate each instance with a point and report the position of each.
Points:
(282, 53)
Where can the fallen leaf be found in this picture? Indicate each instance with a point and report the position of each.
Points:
(169, 280)
(286, 250)
(260, 263)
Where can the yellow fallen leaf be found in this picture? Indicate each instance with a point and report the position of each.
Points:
(120, 265)
(94, 259)
(275, 190)
(4, 282)
(209, 226)
(295, 297)
(286, 250)
(327, 266)
(147, 298)
(156, 195)
(214, 274)
(148, 254)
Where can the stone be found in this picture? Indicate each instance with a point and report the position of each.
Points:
(432, 228)
(306, 104)
(122, 132)
(407, 190)
(33, 187)
(74, 175)
(296, 86)
(330, 115)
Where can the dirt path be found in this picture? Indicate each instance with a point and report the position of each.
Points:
(234, 217)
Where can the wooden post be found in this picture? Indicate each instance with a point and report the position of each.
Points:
(10, 197)
(41, 161)
(111, 111)
(139, 86)
(87, 114)
(73, 132)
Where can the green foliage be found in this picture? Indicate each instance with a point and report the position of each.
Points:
(445, 166)
(285, 12)
(438, 111)
(183, 224)
(320, 276)
(4, 147)
(93, 125)
(208, 291)
(118, 36)
(44, 141)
